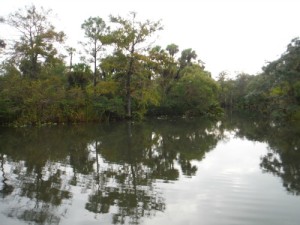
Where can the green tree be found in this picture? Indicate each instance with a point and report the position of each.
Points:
(275, 92)
(95, 31)
(172, 49)
(129, 37)
(164, 65)
(284, 74)
(163, 69)
(80, 76)
(195, 93)
(186, 57)
(240, 89)
(71, 51)
(222, 80)
(37, 39)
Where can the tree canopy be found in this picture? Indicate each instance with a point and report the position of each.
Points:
(36, 46)
(275, 92)
(124, 74)
(130, 79)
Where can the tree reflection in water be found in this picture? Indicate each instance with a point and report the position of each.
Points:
(283, 142)
(117, 165)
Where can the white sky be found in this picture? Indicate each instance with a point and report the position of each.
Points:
(232, 35)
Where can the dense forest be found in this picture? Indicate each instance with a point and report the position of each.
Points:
(125, 76)
(275, 93)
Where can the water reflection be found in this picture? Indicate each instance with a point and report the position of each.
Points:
(283, 158)
(117, 166)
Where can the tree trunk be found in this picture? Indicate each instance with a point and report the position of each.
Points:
(128, 94)
(128, 88)
(95, 63)
(71, 59)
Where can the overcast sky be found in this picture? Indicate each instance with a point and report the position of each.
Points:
(232, 35)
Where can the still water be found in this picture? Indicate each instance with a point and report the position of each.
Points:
(163, 171)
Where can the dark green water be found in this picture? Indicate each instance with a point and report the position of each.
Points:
(236, 171)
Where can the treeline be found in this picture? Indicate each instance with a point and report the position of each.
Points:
(129, 79)
(275, 92)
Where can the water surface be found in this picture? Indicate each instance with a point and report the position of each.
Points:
(175, 171)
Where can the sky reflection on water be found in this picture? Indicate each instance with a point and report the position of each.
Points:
(156, 172)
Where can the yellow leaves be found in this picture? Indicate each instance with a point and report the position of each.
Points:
(103, 88)
(147, 97)
(279, 90)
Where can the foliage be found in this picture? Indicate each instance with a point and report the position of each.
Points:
(194, 94)
(95, 31)
(80, 75)
(275, 92)
(187, 56)
(172, 49)
(129, 37)
(35, 48)
(131, 80)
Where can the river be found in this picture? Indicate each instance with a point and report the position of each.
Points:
(240, 170)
